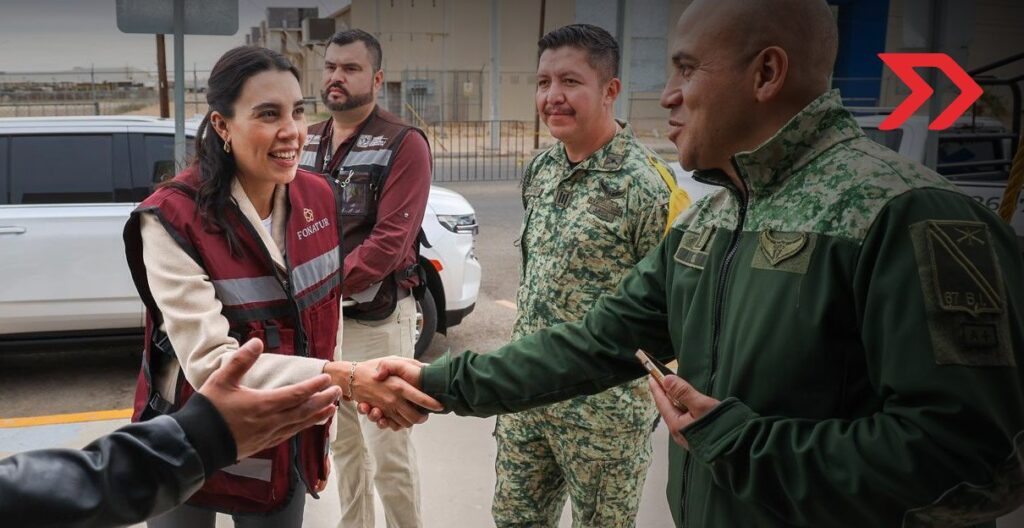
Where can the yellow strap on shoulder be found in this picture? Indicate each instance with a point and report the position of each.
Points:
(1008, 205)
(678, 199)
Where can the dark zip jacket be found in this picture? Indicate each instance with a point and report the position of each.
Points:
(858, 317)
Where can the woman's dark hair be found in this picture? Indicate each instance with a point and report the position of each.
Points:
(215, 168)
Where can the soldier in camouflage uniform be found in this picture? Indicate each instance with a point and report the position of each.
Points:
(849, 326)
(589, 218)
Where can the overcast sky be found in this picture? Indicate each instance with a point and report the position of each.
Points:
(57, 35)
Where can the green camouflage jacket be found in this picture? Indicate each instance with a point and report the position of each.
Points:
(860, 320)
(583, 228)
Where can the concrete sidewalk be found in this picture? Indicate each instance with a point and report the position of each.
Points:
(456, 466)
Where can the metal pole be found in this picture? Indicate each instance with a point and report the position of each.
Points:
(443, 75)
(161, 73)
(195, 87)
(92, 85)
(495, 70)
(536, 115)
(179, 84)
(625, 35)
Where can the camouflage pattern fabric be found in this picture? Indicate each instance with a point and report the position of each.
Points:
(604, 483)
(584, 227)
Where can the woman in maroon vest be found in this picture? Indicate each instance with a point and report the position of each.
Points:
(243, 245)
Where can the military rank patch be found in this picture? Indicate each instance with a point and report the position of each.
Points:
(563, 197)
(963, 293)
(784, 251)
(692, 250)
(604, 208)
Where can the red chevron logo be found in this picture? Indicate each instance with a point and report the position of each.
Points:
(903, 64)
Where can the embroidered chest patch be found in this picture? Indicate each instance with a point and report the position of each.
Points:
(604, 208)
(366, 141)
(784, 251)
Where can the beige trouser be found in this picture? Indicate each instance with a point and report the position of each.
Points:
(365, 455)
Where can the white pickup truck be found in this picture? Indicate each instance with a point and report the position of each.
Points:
(974, 153)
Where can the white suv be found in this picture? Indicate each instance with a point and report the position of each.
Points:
(67, 186)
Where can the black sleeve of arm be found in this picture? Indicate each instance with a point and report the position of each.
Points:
(208, 433)
(134, 473)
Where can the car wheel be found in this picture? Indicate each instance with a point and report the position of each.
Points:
(426, 322)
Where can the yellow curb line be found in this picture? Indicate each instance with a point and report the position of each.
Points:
(94, 416)
(507, 304)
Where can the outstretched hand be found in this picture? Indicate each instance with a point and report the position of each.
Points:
(259, 419)
(680, 405)
(391, 386)
(393, 368)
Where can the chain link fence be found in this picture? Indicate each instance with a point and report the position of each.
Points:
(109, 91)
(448, 105)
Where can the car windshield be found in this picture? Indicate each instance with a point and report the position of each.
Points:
(976, 156)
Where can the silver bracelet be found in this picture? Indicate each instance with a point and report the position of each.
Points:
(351, 380)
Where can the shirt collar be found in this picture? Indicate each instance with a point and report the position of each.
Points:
(818, 127)
(608, 158)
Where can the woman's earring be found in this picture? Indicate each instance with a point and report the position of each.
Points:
(227, 146)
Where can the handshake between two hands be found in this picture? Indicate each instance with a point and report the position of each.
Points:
(387, 390)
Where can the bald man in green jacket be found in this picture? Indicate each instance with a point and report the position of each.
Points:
(848, 325)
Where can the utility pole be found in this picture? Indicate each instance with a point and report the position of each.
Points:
(625, 38)
(536, 115)
(179, 85)
(161, 67)
(495, 73)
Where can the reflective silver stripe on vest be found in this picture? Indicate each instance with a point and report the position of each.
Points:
(368, 157)
(254, 468)
(310, 273)
(307, 159)
(318, 294)
(234, 292)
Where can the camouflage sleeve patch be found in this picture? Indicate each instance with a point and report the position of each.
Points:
(964, 294)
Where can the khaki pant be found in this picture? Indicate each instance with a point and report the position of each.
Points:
(365, 455)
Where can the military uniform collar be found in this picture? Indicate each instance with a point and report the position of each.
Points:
(608, 158)
(818, 127)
